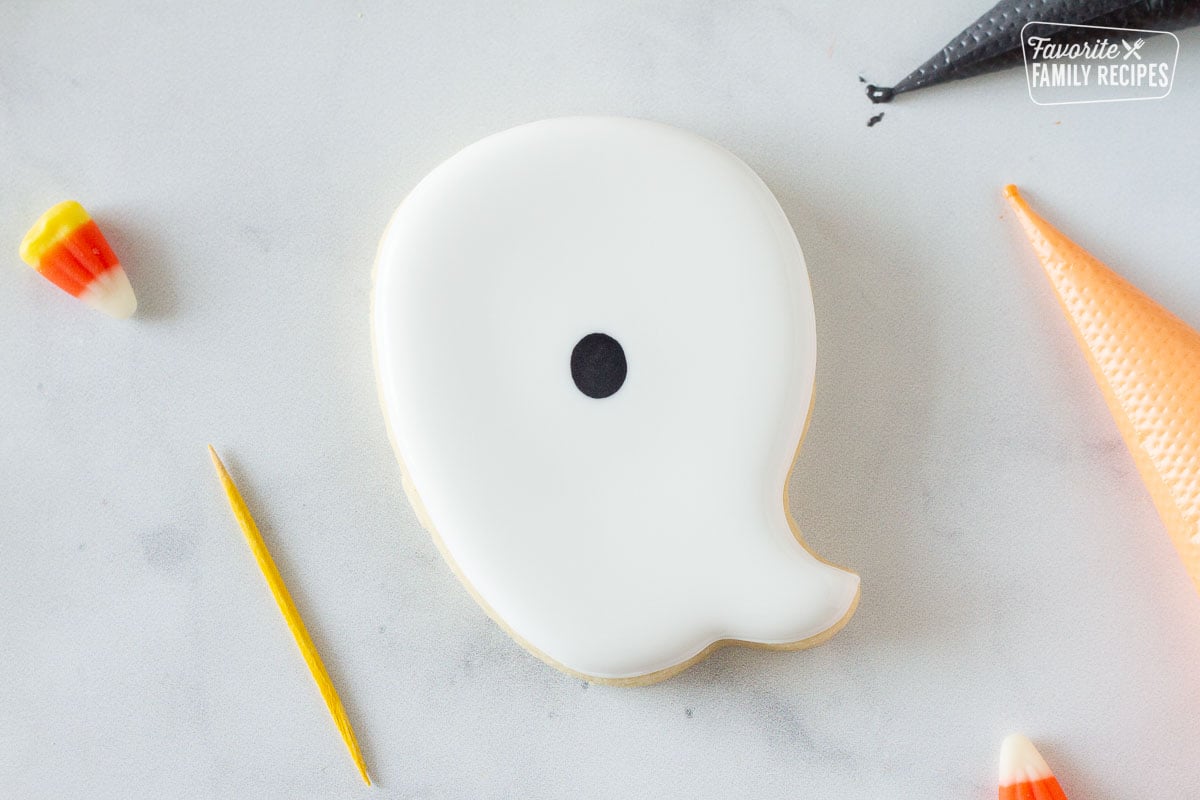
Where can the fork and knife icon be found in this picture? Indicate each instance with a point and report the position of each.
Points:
(1132, 49)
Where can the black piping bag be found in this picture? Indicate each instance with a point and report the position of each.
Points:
(993, 42)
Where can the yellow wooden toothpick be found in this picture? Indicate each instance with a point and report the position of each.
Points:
(290, 614)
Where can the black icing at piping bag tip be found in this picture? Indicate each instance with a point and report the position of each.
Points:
(880, 94)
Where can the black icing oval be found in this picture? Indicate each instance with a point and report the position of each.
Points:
(598, 365)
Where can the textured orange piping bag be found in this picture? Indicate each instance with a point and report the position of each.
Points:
(1147, 363)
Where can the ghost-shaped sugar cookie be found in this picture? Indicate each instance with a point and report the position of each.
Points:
(595, 347)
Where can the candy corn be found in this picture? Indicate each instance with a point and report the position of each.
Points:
(1024, 774)
(67, 248)
(1147, 363)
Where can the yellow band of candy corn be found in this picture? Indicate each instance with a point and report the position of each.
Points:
(50, 228)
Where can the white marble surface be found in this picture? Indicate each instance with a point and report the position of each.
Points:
(244, 159)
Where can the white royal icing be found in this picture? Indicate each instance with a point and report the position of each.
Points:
(615, 537)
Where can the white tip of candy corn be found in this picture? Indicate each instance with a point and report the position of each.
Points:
(1020, 761)
(1024, 774)
(111, 293)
